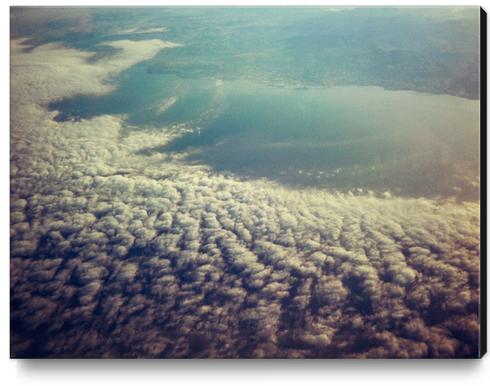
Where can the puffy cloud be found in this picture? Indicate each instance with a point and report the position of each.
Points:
(120, 253)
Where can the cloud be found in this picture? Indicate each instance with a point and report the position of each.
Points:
(140, 30)
(116, 253)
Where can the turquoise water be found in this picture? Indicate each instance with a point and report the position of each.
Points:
(341, 138)
(140, 96)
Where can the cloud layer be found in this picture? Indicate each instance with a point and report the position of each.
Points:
(117, 253)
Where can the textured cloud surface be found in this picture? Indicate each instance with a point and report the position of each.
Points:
(118, 253)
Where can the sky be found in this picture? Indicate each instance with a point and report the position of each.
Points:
(200, 190)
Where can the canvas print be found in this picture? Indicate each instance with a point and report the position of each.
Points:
(245, 182)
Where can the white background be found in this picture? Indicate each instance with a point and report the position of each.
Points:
(202, 372)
